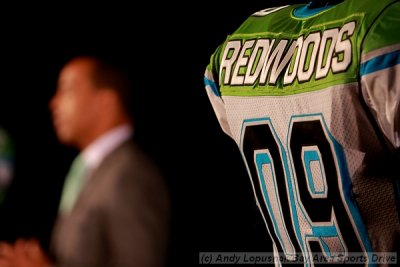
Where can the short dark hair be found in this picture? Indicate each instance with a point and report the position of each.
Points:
(109, 74)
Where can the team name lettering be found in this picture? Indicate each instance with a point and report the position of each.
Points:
(265, 61)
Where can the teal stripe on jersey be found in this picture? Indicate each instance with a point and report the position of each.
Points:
(380, 63)
(213, 86)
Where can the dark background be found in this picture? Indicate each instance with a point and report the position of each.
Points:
(166, 47)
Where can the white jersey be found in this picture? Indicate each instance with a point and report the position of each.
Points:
(312, 98)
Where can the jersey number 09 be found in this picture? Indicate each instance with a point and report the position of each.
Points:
(304, 189)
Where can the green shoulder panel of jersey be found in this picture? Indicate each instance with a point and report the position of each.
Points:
(213, 66)
(275, 53)
(385, 31)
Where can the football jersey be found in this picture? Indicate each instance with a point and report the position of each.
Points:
(6, 163)
(312, 99)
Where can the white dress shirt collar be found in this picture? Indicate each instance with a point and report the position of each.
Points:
(105, 144)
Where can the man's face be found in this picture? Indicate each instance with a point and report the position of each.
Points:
(74, 105)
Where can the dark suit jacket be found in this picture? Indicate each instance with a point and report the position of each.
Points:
(121, 217)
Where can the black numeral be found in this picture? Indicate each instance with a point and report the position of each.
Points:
(303, 189)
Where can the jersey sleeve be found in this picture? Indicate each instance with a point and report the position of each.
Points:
(380, 72)
(211, 82)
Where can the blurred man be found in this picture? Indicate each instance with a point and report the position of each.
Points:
(114, 208)
(311, 95)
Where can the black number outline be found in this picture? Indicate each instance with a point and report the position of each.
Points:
(287, 159)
